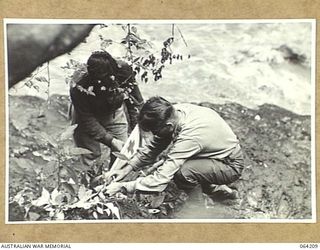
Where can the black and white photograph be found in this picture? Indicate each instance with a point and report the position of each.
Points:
(151, 121)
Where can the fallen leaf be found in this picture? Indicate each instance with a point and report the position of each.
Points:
(56, 197)
(60, 215)
(99, 210)
(153, 211)
(19, 198)
(43, 199)
(113, 209)
(108, 212)
(95, 215)
(33, 216)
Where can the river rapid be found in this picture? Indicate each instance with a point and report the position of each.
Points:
(238, 62)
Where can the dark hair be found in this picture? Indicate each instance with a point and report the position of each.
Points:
(101, 62)
(154, 113)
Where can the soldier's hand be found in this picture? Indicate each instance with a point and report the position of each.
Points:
(116, 145)
(114, 188)
(118, 175)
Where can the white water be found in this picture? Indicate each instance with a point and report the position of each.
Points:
(211, 74)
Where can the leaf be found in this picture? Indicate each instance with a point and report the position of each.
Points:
(49, 139)
(136, 59)
(33, 216)
(113, 209)
(75, 63)
(50, 168)
(36, 87)
(19, 198)
(108, 41)
(68, 133)
(43, 156)
(134, 29)
(108, 212)
(56, 197)
(50, 182)
(26, 165)
(83, 193)
(82, 204)
(51, 213)
(72, 175)
(124, 27)
(43, 199)
(60, 215)
(99, 210)
(68, 188)
(98, 188)
(79, 151)
(71, 181)
(54, 193)
(153, 211)
(41, 79)
(144, 75)
(95, 215)
(157, 201)
(102, 196)
(121, 156)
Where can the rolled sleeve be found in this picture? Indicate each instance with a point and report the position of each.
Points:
(158, 181)
(130, 186)
(149, 153)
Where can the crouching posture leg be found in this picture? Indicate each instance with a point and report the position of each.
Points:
(210, 176)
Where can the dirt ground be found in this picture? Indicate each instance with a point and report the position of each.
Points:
(275, 184)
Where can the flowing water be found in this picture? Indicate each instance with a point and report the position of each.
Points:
(229, 62)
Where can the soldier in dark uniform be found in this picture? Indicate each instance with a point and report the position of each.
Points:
(106, 101)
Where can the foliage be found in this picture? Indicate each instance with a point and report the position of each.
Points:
(63, 193)
(39, 79)
(148, 64)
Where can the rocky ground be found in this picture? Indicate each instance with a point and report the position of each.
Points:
(276, 182)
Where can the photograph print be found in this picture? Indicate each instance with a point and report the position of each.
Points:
(160, 121)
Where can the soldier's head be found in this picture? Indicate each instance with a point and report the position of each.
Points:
(157, 116)
(101, 67)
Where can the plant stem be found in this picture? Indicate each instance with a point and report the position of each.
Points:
(48, 90)
(129, 42)
(182, 37)
(59, 169)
